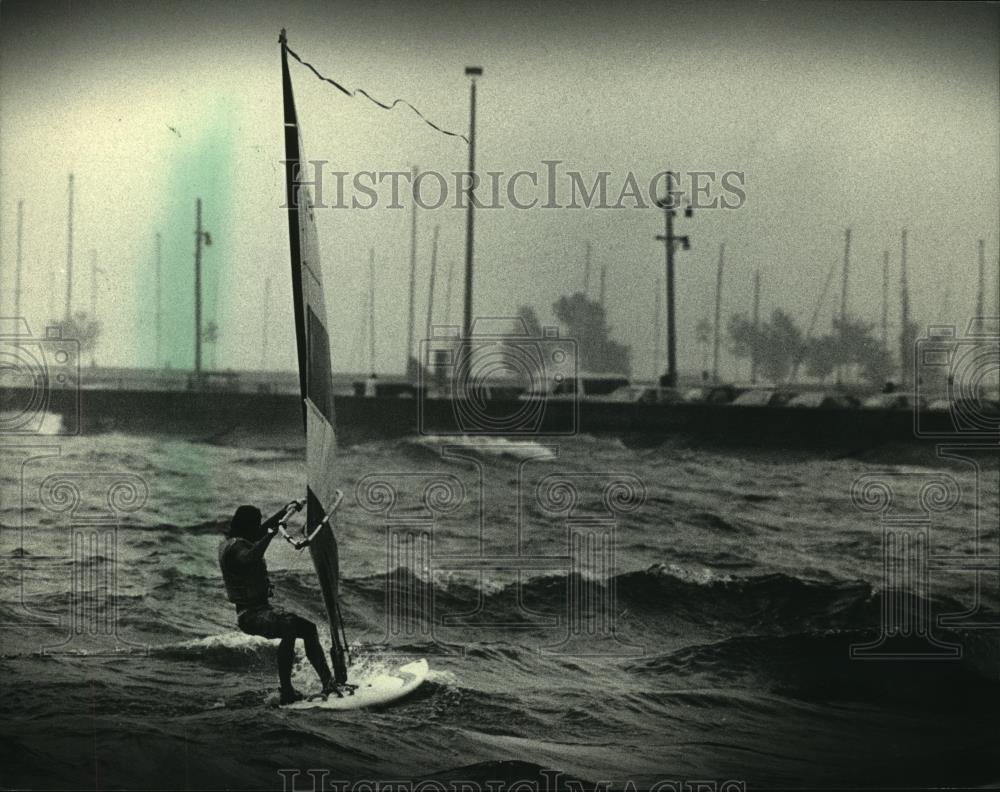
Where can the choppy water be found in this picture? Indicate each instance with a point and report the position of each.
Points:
(693, 621)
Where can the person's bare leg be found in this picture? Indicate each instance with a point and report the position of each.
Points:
(286, 657)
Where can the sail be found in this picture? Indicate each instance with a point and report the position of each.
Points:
(315, 374)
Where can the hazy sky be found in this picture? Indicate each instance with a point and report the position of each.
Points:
(868, 115)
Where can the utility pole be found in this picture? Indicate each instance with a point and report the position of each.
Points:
(17, 266)
(371, 311)
(159, 309)
(586, 270)
(885, 300)
(669, 380)
(430, 292)
(718, 313)
(473, 72)
(413, 271)
(200, 235)
(756, 324)
(604, 278)
(69, 255)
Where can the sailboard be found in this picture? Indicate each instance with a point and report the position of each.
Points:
(316, 386)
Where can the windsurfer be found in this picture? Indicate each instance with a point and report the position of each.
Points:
(244, 572)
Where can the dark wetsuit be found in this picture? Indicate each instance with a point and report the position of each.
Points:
(244, 572)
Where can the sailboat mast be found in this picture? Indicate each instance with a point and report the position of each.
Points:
(718, 313)
(981, 290)
(756, 324)
(158, 314)
(371, 311)
(885, 300)
(904, 331)
(430, 291)
(265, 324)
(413, 270)
(93, 284)
(843, 297)
(17, 266)
(69, 253)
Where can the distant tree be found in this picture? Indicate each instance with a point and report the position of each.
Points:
(776, 344)
(820, 357)
(85, 331)
(528, 322)
(782, 347)
(853, 348)
(586, 324)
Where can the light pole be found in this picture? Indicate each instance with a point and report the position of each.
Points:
(472, 72)
(669, 380)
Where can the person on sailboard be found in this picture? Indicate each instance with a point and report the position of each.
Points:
(244, 572)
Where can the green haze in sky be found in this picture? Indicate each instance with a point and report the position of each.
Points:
(202, 168)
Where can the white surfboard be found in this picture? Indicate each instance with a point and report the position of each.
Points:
(383, 687)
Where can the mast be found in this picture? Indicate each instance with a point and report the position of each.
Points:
(847, 269)
(586, 269)
(94, 269)
(413, 273)
(291, 202)
(604, 278)
(69, 254)
(264, 325)
(843, 297)
(981, 290)
(430, 291)
(885, 300)
(159, 314)
(718, 313)
(371, 311)
(904, 331)
(447, 294)
(756, 324)
(93, 284)
(315, 378)
(17, 266)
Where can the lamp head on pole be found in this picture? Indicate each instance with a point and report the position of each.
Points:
(473, 71)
